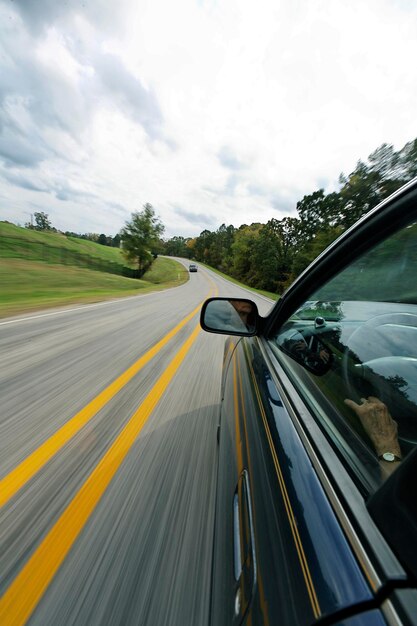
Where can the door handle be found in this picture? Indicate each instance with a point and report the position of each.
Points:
(243, 548)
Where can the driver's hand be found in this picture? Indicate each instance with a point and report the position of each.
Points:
(324, 355)
(299, 346)
(378, 424)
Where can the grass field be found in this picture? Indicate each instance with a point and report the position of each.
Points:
(45, 269)
(30, 242)
(268, 294)
(56, 248)
(31, 285)
(32, 278)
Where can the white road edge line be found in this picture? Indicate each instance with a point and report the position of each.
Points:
(80, 308)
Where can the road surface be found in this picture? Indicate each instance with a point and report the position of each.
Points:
(108, 457)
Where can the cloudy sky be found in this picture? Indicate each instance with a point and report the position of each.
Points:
(214, 111)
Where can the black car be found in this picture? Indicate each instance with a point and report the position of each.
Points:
(316, 513)
(192, 267)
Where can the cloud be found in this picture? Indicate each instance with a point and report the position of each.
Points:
(21, 181)
(40, 15)
(283, 204)
(280, 200)
(213, 112)
(36, 102)
(201, 220)
(58, 87)
(19, 151)
(229, 160)
(68, 194)
(129, 93)
(63, 191)
(232, 185)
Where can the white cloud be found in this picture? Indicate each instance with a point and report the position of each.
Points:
(212, 111)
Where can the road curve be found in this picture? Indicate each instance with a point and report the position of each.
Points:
(108, 459)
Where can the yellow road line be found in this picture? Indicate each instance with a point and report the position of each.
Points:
(23, 595)
(23, 472)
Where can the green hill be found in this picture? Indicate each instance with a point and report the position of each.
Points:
(44, 269)
(51, 247)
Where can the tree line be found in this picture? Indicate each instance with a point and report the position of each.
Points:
(269, 256)
(40, 221)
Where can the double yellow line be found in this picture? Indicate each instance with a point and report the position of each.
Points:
(23, 595)
(23, 472)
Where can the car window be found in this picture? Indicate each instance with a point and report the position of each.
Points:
(351, 352)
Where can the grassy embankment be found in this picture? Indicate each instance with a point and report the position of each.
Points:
(40, 270)
(268, 294)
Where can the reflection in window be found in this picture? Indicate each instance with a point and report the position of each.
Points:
(355, 340)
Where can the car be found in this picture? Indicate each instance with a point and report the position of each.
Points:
(316, 503)
(192, 267)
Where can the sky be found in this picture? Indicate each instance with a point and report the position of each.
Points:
(213, 111)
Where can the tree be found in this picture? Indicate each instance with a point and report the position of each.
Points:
(292, 236)
(42, 222)
(313, 248)
(265, 257)
(102, 239)
(319, 211)
(408, 159)
(385, 161)
(243, 248)
(115, 242)
(177, 246)
(202, 246)
(361, 191)
(222, 248)
(367, 185)
(141, 237)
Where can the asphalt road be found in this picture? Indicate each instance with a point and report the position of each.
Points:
(108, 417)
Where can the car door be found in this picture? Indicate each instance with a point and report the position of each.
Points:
(301, 531)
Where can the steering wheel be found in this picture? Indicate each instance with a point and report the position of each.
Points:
(381, 360)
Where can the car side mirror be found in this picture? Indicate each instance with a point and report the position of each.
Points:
(230, 316)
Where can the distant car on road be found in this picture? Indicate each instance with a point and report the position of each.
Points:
(192, 267)
(316, 511)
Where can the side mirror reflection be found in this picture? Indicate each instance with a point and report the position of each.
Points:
(308, 350)
(230, 316)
